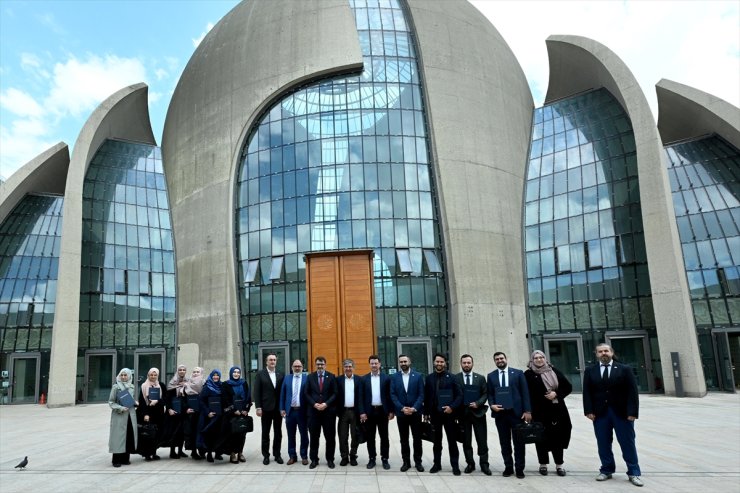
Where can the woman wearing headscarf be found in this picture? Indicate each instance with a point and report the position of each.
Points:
(174, 418)
(548, 389)
(150, 413)
(193, 387)
(237, 400)
(210, 433)
(122, 438)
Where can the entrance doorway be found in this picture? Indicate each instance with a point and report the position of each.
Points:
(24, 378)
(566, 354)
(634, 350)
(341, 308)
(727, 348)
(144, 359)
(100, 372)
(419, 349)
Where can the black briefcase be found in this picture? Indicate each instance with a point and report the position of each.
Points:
(529, 432)
(361, 433)
(427, 431)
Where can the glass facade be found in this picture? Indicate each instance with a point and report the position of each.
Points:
(127, 285)
(343, 164)
(29, 261)
(586, 265)
(705, 182)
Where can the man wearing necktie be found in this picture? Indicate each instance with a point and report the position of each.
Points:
(508, 397)
(473, 414)
(293, 409)
(610, 400)
(320, 393)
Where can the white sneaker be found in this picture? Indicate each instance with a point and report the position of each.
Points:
(636, 481)
(603, 477)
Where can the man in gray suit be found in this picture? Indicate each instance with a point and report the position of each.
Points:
(473, 414)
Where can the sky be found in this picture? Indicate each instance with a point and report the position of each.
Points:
(60, 59)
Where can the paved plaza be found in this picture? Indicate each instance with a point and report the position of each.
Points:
(683, 444)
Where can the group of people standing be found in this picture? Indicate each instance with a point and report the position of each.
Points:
(209, 417)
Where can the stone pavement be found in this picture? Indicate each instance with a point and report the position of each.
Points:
(683, 444)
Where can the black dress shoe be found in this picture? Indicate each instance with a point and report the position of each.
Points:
(353, 461)
(520, 474)
(386, 465)
(155, 457)
(419, 467)
(435, 469)
(218, 457)
(116, 465)
(313, 465)
(456, 471)
(371, 464)
(486, 470)
(344, 461)
(209, 457)
(561, 471)
(469, 468)
(330, 464)
(266, 460)
(405, 467)
(508, 472)
(278, 459)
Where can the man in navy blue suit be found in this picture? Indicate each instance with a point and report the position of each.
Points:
(407, 394)
(320, 394)
(508, 396)
(293, 409)
(610, 400)
(349, 395)
(376, 410)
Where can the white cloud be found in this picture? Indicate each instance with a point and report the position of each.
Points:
(20, 103)
(196, 41)
(21, 142)
(79, 85)
(160, 73)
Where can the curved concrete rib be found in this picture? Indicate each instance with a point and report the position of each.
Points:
(46, 173)
(578, 64)
(479, 108)
(255, 54)
(124, 116)
(685, 112)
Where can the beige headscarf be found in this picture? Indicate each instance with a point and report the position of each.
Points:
(545, 372)
(148, 384)
(195, 382)
(127, 385)
(178, 382)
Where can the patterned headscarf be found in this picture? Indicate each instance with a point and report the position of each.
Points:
(545, 372)
(214, 387)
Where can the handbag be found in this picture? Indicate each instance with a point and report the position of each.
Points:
(532, 432)
(148, 430)
(427, 431)
(242, 424)
(361, 433)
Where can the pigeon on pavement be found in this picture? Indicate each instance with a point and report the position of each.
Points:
(22, 464)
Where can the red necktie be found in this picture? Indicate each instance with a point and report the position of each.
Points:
(321, 382)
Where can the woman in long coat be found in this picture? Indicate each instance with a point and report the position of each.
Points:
(210, 426)
(548, 388)
(151, 413)
(123, 432)
(192, 391)
(237, 400)
(175, 416)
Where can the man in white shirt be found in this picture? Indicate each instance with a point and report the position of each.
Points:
(376, 411)
(349, 390)
(267, 385)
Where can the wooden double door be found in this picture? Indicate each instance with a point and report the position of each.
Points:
(341, 309)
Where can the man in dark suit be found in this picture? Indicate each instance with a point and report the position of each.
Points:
(293, 409)
(407, 394)
(320, 394)
(376, 409)
(267, 385)
(610, 400)
(508, 396)
(442, 399)
(349, 396)
(473, 414)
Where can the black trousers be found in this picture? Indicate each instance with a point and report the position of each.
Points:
(272, 419)
(475, 425)
(347, 429)
(319, 421)
(543, 456)
(125, 457)
(446, 421)
(377, 419)
(413, 423)
(505, 422)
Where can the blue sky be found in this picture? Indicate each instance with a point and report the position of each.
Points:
(60, 59)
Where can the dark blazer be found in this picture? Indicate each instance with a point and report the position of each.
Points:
(619, 391)
(415, 395)
(367, 394)
(266, 397)
(478, 385)
(519, 391)
(553, 415)
(286, 394)
(340, 393)
(446, 382)
(227, 397)
(328, 394)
